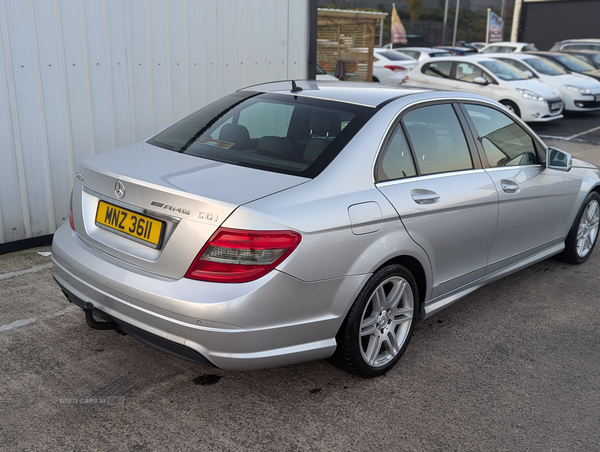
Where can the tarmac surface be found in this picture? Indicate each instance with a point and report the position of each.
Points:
(514, 366)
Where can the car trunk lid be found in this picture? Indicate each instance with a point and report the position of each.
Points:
(155, 209)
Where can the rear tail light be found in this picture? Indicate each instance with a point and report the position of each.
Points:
(236, 255)
(71, 222)
(396, 68)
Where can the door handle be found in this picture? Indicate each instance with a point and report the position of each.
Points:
(509, 186)
(424, 196)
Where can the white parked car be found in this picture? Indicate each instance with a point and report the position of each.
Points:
(580, 92)
(531, 100)
(423, 53)
(508, 47)
(324, 76)
(391, 67)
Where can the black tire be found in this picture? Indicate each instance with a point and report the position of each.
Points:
(511, 106)
(583, 234)
(374, 335)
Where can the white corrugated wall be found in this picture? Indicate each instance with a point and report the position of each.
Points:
(78, 77)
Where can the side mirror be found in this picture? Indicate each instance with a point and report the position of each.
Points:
(480, 81)
(529, 74)
(558, 160)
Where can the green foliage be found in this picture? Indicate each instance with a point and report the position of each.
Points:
(415, 9)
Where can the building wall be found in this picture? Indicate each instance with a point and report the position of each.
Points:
(78, 77)
(547, 22)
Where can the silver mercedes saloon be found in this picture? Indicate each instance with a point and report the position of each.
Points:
(295, 221)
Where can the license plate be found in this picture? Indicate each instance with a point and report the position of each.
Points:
(598, 98)
(132, 225)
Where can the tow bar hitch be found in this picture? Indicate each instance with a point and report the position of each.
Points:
(88, 308)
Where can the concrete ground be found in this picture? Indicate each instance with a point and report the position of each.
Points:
(514, 366)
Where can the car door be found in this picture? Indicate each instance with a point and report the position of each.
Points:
(532, 198)
(446, 202)
(464, 80)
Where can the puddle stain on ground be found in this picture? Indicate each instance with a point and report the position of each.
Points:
(206, 380)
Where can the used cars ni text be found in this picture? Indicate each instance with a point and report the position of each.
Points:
(295, 221)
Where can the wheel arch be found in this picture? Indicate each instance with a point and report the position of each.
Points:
(418, 272)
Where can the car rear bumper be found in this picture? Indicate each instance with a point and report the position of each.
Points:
(273, 321)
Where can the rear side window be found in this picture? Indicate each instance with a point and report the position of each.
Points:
(581, 47)
(438, 69)
(273, 132)
(397, 162)
(437, 139)
(505, 143)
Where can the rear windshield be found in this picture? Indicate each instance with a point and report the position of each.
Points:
(440, 54)
(394, 56)
(274, 132)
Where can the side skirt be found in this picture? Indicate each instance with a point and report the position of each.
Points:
(437, 304)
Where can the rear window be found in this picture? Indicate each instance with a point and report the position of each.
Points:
(438, 69)
(273, 132)
(395, 56)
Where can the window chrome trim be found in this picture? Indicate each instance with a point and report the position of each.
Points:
(387, 183)
(500, 168)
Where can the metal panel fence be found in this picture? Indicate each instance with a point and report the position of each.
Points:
(78, 77)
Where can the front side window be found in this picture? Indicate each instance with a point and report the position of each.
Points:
(438, 69)
(517, 64)
(437, 139)
(505, 143)
(466, 72)
(272, 132)
(503, 71)
(579, 47)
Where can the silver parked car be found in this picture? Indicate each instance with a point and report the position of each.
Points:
(296, 221)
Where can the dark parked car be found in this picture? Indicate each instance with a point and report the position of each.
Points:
(459, 51)
(589, 56)
(570, 63)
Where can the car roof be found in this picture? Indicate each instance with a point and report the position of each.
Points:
(455, 48)
(473, 58)
(366, 94)
(544, 52)
(418, 49)
(566, 41)
(508, 43)
(514, 55)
